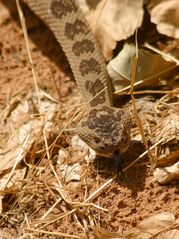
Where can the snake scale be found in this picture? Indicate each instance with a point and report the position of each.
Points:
(104, 128)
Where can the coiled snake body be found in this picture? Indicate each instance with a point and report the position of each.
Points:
(104, 128)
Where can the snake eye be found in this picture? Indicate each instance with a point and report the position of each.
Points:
(96, 140)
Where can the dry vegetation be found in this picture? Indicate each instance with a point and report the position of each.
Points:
(52, 185)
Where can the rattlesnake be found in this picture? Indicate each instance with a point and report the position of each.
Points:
(104, 128)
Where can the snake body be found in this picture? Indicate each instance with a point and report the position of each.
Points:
(104, 128)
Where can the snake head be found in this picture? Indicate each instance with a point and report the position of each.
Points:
(106, 130)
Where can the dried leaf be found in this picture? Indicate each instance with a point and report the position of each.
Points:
(167, 130)
(70, 172)
(115, 20)
(172, 234)
(23, 126)
(160, 225)
(149, 66)
(165, 14)
(80, 145)
(151, 226)
(167, 174)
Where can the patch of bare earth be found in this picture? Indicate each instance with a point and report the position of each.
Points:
(38, 197)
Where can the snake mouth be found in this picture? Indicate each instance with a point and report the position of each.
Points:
(117, 158)
(111, 152)
(123, 149)
(105, 154)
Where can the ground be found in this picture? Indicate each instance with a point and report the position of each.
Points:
(43, 198)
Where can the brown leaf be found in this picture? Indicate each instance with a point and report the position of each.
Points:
(115, 20)
(167, 174)
(165, 14)
(161, 225)
(149, 67)
(151, 226)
